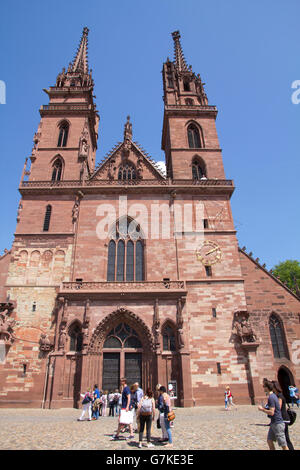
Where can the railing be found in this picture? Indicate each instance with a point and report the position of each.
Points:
(123, 286)
(137, 182)
(65, 106)
(199, 107)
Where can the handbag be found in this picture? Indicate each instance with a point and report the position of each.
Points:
(171, 416)
(126, 417)
(158, 423)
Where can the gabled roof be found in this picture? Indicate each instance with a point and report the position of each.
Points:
(135, 147)
(262, 267)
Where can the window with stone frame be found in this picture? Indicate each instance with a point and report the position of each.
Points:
(57, 170)
(278, 337)
(63, 134)
(198, 169)
(125, 261)
(122, 336)
(127, 172)
(169, 341)
(194, 138)
(47, 218)
(76, 337)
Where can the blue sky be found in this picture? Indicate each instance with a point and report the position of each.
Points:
(248, 55)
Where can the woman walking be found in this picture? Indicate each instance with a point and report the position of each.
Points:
(167, 408)
(86, 404)
(146, 414)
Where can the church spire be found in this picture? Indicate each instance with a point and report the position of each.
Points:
(78, 73)
(80, 62)
(180, 62)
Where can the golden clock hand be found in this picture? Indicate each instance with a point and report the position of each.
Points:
(211, 251)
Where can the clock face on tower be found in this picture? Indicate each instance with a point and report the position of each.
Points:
(209, 253)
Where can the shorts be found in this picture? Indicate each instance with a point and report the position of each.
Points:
(276, 433)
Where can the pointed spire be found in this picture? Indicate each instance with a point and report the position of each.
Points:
(180, 62)
(80, 62)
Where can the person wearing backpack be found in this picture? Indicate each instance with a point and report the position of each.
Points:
(146, 413)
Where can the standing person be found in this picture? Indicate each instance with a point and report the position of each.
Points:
(146, 414)
(167, 408)
(117, 396)
(229, 397)
(161, 415)
(126, 406)
(138, 395)
(293, 394)
(86, 404)
(286, 419)
(277, 426)
(104, 402)
(96, 402)
(226, 400)
(111, 404)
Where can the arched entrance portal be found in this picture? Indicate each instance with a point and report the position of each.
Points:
(122, 346)
(122, 357)
(285, 378)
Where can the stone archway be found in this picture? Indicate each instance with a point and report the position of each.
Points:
(123, 345)
(285, 378)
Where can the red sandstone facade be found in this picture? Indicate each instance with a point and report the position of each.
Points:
(71, 317)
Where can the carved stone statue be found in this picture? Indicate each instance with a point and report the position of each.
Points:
(242, 328)
(75, 211)
(180, 338)
(62, 338)
(248, 335)
(6, 327)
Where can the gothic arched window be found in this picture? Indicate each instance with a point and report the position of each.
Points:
(125, 251)
(57, 170)
(169, 342)
(76, 337)
(194, 137)
(122, 336)
(198, 170)
(63, 135)
(47, 218)
(127, 172)
(277, 337)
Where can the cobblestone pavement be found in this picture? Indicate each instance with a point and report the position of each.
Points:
(201, 428)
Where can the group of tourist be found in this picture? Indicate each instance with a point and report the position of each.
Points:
(135, 409)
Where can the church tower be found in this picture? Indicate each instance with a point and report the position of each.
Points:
(189, 136)
(66, 140)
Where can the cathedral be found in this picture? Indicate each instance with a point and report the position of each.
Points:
(121, 269)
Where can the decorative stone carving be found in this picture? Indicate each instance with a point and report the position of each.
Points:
(156, 326)
(62, 338)
(242, 328)
(45, 343)
(83, 143)
(6, 324)
(180, 332)
(61, 77)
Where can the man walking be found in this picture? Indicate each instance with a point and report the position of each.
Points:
(277, 426)
(125, 407)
